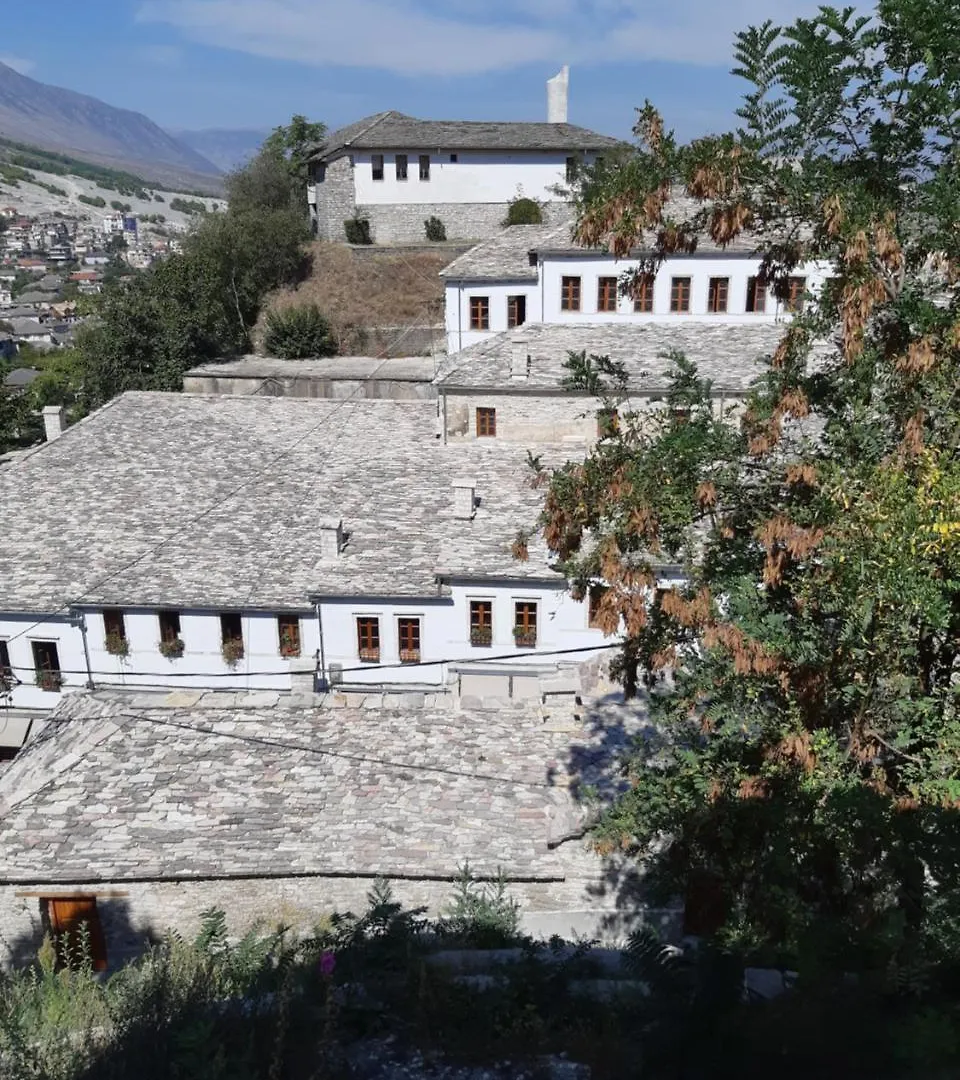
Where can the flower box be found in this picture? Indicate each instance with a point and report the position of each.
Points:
(172, 648)
(481, 635)
(51, 681)
(232, 651)
(116, 644)
(409, 656)
(370, 656)
(524, 637)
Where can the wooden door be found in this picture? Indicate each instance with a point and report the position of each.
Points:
(68, 916)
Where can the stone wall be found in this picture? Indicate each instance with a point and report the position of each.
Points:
(400, 223)
(335, 201)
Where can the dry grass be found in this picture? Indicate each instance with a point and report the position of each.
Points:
(360, 293)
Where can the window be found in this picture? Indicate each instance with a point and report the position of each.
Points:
(525, 624)
(479, 312)
(486, 422)
(368, 639)
(114, 631)
(608, 422)
(796, 287)
(6, 670)
(607, 294)
(288, 633)
(453, 159)
(516, 310)
(46, 665)
(756, 295)
(571, 169)
(231, 636)
(74, 925)
(481, 622)
(401, 163)
(376, 166)
(595, 599)
(424, 166)
(409, 632)
(169, 625)
(680, 294)
(643, 294)
(319, 172)
(717, 294)
(569, 294)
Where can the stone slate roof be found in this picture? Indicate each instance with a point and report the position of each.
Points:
(20, 376)
(334, 368)
(116, 790)
(394, 130)
(265, 472)
(506, 256)
(729, 354)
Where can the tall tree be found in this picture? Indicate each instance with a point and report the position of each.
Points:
(810, 777)
(276, 179)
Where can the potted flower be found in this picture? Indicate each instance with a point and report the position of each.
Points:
(116, 644)
(232, 651)
(481, 635)
(172, 648)
(525, 637)
(51, 681)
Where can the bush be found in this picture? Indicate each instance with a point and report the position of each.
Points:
(92, 200)
(524, 211)
(435, 229)
(298, 333)
(357, 230)
(481, 913)
(121, 207)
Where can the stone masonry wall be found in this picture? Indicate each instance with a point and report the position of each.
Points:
(404, 224)
(335, 201)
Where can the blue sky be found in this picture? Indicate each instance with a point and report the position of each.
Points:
(253, 63)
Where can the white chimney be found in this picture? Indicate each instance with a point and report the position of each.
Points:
(519, 357)
(557, 88)
(331, 539)
(53, 424)
(464, 499)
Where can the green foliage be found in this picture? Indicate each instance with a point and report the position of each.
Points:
(357, 231)
(121, 207)
(188, 206)
(805, 774)
(435, 229)
(92, 200)
(276, 179)
(481, 913)
(298, 333)
(524, 211)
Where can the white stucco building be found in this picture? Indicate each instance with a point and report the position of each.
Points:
(180, 541)
(395, 171)
(538, 274)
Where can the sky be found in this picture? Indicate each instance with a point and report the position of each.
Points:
(192, 64)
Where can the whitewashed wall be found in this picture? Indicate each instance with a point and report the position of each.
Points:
(473, 177)
(20, 632)
(457, 309)
(699, 269)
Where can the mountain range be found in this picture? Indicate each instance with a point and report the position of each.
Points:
(227, 148)
(53, 118)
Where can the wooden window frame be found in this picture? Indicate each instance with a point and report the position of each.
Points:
(643, 295)
(288, 636)
(231, 636)
(595, 595)
(61, 918)
(525, 619)
(794, 299)
(486, 421)
(479, 312)
(680, 290)
(169, 622)
(408, 636)
(114, 628)
(48, 677)
(718, 295)
(756, 302)
(424, 167)
(570, 292)
(607, 303)
(368, 639)
(516, 310)
(377, 172)
(401, 165)
(481, 623)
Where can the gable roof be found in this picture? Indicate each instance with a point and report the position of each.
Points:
(116, 788)
(731, 355)
(395, 130)
(506, 256)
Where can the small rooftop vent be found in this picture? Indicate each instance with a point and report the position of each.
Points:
(53, 421)
(519, 357)
(331, 539)
(464, 499)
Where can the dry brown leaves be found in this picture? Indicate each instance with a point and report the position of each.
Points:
(693, 613)
(783, 539)
(795, 750)
(921, 357)
(707, 495)
(913, 441)
(801, 475)
(728, 222)
(749, 656)
(856, 306)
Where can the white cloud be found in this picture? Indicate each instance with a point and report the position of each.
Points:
(18, 63)
(449, 37)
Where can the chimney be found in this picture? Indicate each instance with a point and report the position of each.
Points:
(464, 499)
(519, 357)
(53, 424)
(557, 96)
(331, 539)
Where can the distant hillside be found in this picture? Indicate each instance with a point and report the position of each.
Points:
(57, 119)
(228, 149)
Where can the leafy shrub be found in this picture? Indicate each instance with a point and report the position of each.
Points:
(435, 229)
(357, 231)
(188, 206)
(121, 207)
(523, 211)
(298, 333)
(92, 200)
(481, 913)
